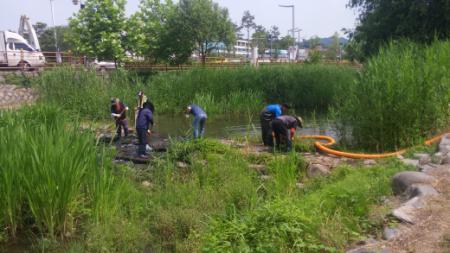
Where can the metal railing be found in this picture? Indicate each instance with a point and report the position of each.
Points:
(24, 60)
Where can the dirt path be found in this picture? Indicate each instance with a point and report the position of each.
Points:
(12, 96)
(431, 234)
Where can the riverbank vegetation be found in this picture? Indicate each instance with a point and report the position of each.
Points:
(219, 91)
(401, 97)
(58, 187)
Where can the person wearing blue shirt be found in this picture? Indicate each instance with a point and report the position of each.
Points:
(144, 123)
(199, 120)
(268, 114)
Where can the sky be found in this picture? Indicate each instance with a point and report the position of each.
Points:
(313, 17)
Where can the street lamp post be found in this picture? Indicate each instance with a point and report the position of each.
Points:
(293, 18)
(54, 25)
(55, 33)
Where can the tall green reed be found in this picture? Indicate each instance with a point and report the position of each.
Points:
(52, 176)
(401, 97)
(218, 90)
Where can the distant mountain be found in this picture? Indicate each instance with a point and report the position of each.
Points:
(326, 42)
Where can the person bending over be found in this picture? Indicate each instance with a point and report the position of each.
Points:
(268, 114)
(282, 127)
(199, 121)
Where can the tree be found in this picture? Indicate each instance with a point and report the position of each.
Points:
(99, 29)
(145, 28)
(313, 42)
(197, 24)
(334, 49)
(40, 28)
(47, 39)
(274, 32)
(248, 22)
(286, 42)
(260, 39)
(383, 20)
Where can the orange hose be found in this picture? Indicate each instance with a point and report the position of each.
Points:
(330, 141)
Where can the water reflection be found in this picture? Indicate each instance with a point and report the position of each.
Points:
(236, 125)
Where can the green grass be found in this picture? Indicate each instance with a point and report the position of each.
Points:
(217, 90)
(56, 185)
(323, 218)
(400, 98)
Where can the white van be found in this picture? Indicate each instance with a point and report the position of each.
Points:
(16, 52)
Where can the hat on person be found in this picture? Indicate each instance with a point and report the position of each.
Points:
(140, 93)
(300, 121)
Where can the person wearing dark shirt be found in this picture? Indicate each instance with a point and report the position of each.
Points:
(269, 113)
(119, 113)
(144, 123)
(282, 127)
(199, 121)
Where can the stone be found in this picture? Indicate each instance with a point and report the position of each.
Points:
(437, 158)
(426, 168)
(182, 165)
(446, 159)
(405, 212)
(146, 184)
(265, 177)
(105, 138)
(423, 158)
(369, 162)
(419, 190)
(389, 233)
(364, 250)
(361, 250)
(300, 185)
(444, 144)
(316, 170)
(410, 162)
(402, 180)
(262, 169)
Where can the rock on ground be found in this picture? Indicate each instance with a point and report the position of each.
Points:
(402, 180)
(406, 212)
(389, 233)
(315, 170)
(419, 190)
(410, 162)
(444, 144)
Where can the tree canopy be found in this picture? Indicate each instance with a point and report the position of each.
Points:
(198, 24)
(99, 29)
(384, 20)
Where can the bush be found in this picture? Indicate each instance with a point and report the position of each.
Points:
(401, 97)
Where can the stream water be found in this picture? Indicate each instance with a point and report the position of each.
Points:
(236, 125)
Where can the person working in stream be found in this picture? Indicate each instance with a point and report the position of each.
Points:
(269, 113)
(144, 123)
(141, 100)
(199, 120)
(283, 128)
(119, 113)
